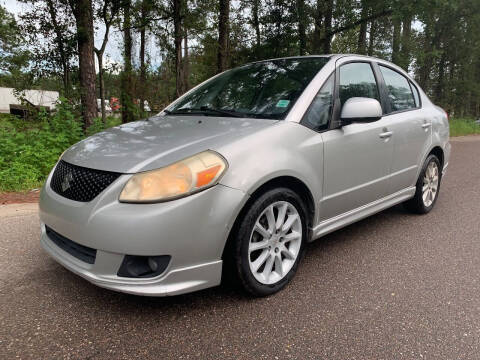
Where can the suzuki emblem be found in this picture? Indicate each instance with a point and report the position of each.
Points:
(66, 181)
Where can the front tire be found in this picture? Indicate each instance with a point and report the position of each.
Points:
(427, 187)
(270, 242)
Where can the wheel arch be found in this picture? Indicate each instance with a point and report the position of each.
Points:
(290, 182)
(438, 152)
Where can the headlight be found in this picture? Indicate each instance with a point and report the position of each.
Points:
(180, 179)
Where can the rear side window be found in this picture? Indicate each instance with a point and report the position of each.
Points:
(357, 80)
(400, 96)
(416, 95)
(319, 112)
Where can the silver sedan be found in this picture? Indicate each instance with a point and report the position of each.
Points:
(236, 176)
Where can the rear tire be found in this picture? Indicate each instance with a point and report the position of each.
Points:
(427, 187)
(269, 242)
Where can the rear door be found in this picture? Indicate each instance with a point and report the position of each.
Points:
(410, 124)
(357, 157)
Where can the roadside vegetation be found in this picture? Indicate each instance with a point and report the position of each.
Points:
(29, 149)
(462, 127)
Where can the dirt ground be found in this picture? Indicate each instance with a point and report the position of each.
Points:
(19, 197)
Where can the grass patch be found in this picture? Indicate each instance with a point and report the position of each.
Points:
(462, 127)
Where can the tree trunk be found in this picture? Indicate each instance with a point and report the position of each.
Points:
(115, 6)
(301, 19)
(101, 85)
(427, 63)
(177, 25)
(277, 13)
(143, 71)
(362, 34)
(327, 40)
(406, 32)
(440, 82)
(354, 24)
(61, 49)
(186, 64)
(83, 13)
(223, 25)
(371, 37)
(396, 40)
(101, 71)
(317, 28)
(126, 86)
(256, 21)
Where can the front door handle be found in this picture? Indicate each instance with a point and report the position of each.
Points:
(386, 135)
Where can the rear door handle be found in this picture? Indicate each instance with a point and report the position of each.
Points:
(386, 134)
(426, 125)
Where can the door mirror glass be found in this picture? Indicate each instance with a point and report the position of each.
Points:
(360, 109)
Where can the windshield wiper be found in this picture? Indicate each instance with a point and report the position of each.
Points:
(203, 110)
(186, 111)
(222, 112)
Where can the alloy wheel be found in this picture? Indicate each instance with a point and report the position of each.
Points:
(275, 242)
(430, 184)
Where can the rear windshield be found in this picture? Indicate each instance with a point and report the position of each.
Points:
(266, 89)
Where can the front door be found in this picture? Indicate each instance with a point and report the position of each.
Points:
(357, 157)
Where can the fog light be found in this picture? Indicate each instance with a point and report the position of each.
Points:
(143, 266)
(152, 262)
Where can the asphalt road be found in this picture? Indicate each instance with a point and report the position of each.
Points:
(394, 286)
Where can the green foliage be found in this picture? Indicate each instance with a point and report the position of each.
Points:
(28, 150)
(98, 125)
(12, 57)
(462, 127)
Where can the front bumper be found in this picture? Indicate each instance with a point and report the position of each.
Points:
(192, 230)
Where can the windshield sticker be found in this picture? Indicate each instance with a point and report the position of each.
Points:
(283, 103)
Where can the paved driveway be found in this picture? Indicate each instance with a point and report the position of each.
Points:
(394, 286)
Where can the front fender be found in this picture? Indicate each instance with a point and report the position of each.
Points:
(288, 149)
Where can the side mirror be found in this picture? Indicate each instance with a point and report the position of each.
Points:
(360, 109)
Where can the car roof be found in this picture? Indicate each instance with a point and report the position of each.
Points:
(332, 57)
(339, 56)
(290, 57)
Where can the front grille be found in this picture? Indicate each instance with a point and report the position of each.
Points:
(81, 252)
(79, 183)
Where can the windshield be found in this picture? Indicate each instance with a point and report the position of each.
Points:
(266, 89)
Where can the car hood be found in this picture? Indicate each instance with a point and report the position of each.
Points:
(158, 141)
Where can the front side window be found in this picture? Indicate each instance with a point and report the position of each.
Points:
(319, 112)
(357, 80)
(400, 95)
(266, 89)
